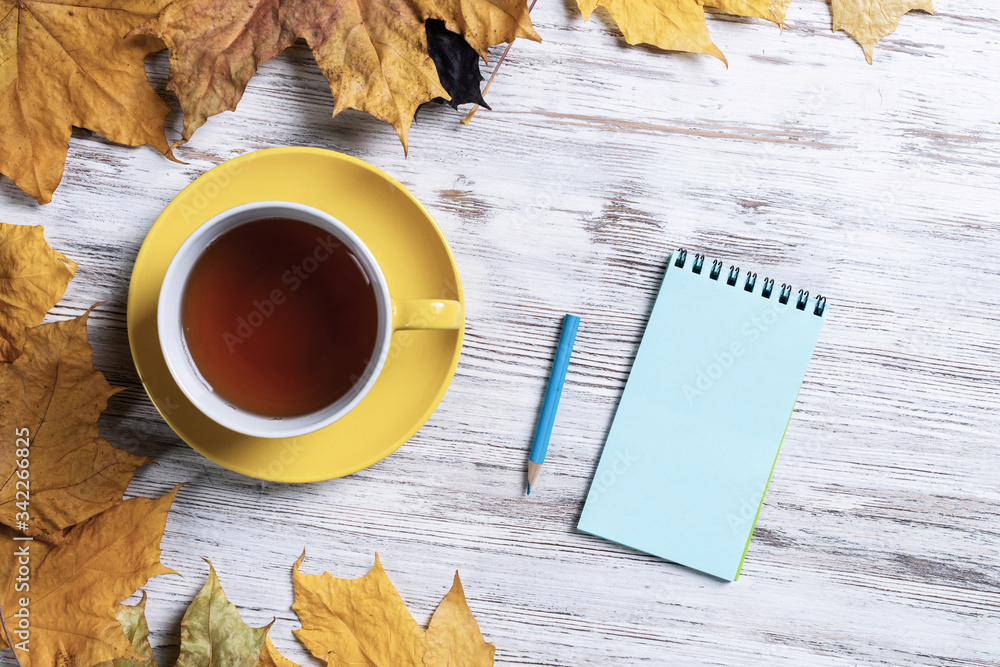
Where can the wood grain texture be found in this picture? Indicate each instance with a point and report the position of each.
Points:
(874, 185)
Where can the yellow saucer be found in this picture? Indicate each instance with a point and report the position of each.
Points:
(417, 263)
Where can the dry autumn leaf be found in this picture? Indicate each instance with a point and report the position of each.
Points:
(374, 54)
(269, 657)
(133, 621)
(212, 632)
(453, 636)
(75, 587)
(679, 25)
(65, 63)
(457, 65)
(33, 279)
(365, 622)
(53, 391)
(868, 21)
(772, 10)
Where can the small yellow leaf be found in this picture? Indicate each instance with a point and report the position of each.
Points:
(868, 21)
(33, 278)
(675, 25)
(679, 25)
(54, 394)
(352, 622)
(269, 657)
(360, 621)
(75, 587)
(453, 636)
(771, 10)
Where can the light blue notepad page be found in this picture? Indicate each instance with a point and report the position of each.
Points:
(698, 429)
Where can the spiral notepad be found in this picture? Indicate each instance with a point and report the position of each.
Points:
(697, 432)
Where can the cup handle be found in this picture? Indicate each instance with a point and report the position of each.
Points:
(426, 314)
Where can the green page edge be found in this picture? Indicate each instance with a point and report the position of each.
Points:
(764, 495)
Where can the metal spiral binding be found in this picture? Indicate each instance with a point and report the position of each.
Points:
(734, 273)
(803, 299)
(767, 288)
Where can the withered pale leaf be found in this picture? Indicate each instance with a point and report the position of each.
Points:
(53, 391)
(214, 634)
(374, 54)
(868, 21)
(65, 63)
(76, 585)
(33, 277)
(365, 622)
(133, 622)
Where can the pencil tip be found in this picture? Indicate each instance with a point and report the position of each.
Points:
(529, 489)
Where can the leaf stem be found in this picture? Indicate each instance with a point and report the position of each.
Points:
(472, 112)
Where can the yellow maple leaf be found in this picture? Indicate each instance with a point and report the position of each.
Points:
(74, 588)
(64, 63)
(453, 636)
(679, 25)
(771, 10)
(675, 25)
(373, 53)
(269, 656)
(34, 278)
(868, 21)
(365, 622)
(51, 397)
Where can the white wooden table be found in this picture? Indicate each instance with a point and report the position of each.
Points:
(875, 185)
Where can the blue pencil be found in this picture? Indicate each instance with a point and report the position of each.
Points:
(553, 391)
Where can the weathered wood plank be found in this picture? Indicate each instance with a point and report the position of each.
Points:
(874, 185)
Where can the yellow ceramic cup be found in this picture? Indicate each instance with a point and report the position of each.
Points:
(394, 314)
